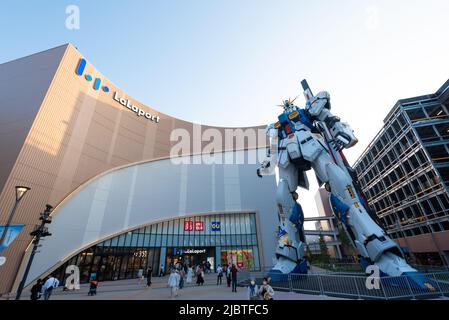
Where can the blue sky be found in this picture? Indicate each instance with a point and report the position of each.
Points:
(230, 62)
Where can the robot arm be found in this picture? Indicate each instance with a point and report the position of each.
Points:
(267, 167)
(319, 108)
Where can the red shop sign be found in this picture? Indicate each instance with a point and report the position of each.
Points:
(193, 225)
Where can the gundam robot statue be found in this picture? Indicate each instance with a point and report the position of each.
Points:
(309, 138)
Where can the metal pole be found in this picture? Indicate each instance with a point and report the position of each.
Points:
(8, 223)
(25, 275)
(39, 233)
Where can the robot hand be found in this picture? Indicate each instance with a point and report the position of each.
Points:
(264, 169)
(343, 135)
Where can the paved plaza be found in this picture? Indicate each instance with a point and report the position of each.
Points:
(133, 290)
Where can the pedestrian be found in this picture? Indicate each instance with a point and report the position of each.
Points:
(197, 269)
(173, 283)
(49, 285)
(228, 275)
(220, 275)
(200, 276)
(253, 292)
(149, 274)
(181, 278)
(161, 271)
(93, 287)
(36, 290)
(234, 271)
(266, 292)
(189, 275)
(140, 276)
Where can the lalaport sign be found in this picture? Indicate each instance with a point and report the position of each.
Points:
(140, 113)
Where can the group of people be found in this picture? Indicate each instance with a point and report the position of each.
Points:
(180, 273)
(175, 281)
(231, 275)
(264, 292)
(44, 288)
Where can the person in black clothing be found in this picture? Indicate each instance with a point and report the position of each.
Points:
(93, 288)
(199, 277)
(149, 272)
(36, 290)
(234, 271)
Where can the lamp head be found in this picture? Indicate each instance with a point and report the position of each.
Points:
(20, 192)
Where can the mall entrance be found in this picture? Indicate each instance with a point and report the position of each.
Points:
(190, 256)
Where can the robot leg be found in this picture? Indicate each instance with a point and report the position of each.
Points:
(290, 249)
(371, 241)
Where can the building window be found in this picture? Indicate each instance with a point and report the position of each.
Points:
(427, 134)
(124, 255)
(443, 130)
(416, 114)
(444, 172)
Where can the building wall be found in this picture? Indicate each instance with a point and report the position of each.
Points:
(149, 192)
(405, 173)
(23, 85)
(77, 133)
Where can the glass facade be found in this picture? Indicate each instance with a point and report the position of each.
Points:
(218, 238)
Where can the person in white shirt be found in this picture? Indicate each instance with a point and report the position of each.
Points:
(220, 275)
(173, 283)
(189, 275)
(266, 292)
(49, 285)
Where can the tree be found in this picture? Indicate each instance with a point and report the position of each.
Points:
(308, 253)
(324, 254)
(343, 237)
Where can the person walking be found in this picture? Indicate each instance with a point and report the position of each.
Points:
(93, 287)
(253, 292)
(266, 292)
(149, 274)
(161, 271)
(234, 271)
(181, 278)
(228, 275)
(140, 276)
(36, 290)
(173, 283)
(220, 275)
(200, 276)
(49, 285)
(189, 275)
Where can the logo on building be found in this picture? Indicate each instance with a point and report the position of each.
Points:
(97, 83)
(124, 102)
(216, 226)
(181, 251)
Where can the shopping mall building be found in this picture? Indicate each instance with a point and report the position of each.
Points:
(105, 162)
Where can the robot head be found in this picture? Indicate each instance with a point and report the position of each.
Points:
(288, 105)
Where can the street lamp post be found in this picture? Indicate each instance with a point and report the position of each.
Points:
(20, 192)
(40, 232)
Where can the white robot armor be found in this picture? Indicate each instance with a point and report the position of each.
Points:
(309, 138)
